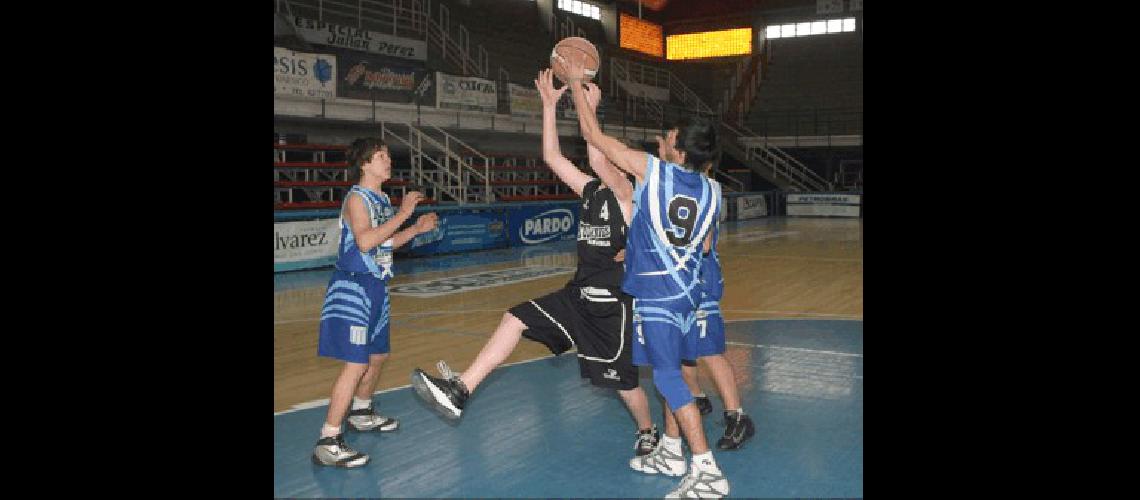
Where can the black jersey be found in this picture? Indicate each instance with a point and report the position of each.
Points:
(601, 234)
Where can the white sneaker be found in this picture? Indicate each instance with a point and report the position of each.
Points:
(659, 461)
(366, 419)
(332, 451)
(701, 484)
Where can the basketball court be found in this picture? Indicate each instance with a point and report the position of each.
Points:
(793, 306)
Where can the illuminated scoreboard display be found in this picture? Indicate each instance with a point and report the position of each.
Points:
(642, 36)
(733, 42)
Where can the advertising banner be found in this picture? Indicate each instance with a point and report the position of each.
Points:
(751, 207)
(532, 225)
(303, 75)
(459, 232)
(465, 92)
(310, 243)
(347, 37)
(525, 101)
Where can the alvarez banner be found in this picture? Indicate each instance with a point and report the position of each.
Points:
(313, 31)
(304, 75)
(465, 92)
(301, 244)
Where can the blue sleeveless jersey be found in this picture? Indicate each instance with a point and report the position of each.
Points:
(378, 260)
(712, 282)
(673, 211)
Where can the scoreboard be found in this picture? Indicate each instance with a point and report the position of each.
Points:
(721, 43)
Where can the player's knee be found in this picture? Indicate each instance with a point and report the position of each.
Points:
(509, 320)
(673, 387)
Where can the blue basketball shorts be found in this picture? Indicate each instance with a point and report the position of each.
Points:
(354, 319)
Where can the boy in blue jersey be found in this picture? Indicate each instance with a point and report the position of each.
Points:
(674, 208)
(711, 345)
(354, 320)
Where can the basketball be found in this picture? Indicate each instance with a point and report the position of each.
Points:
(574, 49)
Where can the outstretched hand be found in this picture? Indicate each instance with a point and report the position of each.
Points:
(545, 85)
(593, 95)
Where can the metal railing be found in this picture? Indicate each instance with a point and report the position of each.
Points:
(817, 121)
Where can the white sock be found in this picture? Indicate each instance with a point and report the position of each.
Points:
(705, 462)
(672, 444)
(739, 411)
(329, 431)
(701, 395)
(358, 403)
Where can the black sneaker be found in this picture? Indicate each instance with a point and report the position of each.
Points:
(647, 441)
(738, 429)
(366, 419)
(445, 395)
(703, 404)
(332, 451)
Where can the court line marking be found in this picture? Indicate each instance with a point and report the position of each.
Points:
(788, 257)
(849, 317)
(797, 349)
(322, 402)
(421, 313)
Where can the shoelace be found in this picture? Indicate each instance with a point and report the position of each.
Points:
(644, 437)
(445, 370)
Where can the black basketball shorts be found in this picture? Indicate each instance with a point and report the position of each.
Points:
(599, 322)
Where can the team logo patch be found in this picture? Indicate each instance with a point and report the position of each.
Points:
(357, 335)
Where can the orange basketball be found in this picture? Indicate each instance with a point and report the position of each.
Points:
(575, 49)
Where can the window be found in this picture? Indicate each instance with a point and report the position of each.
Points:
(819, 27)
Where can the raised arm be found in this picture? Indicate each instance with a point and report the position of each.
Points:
(607, 172)
(623, 157)
(551, 152)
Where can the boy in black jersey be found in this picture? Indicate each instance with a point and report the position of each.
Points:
(590, 312)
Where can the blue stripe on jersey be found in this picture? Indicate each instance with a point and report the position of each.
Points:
(350, 257)
(344, 317)
(354, 312)
(351, 287)
(349, 298)
(658, 269)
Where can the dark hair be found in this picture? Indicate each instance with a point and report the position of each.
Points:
(697, 138)
(359, 152)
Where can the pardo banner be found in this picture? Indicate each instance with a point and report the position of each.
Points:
(534, 225)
